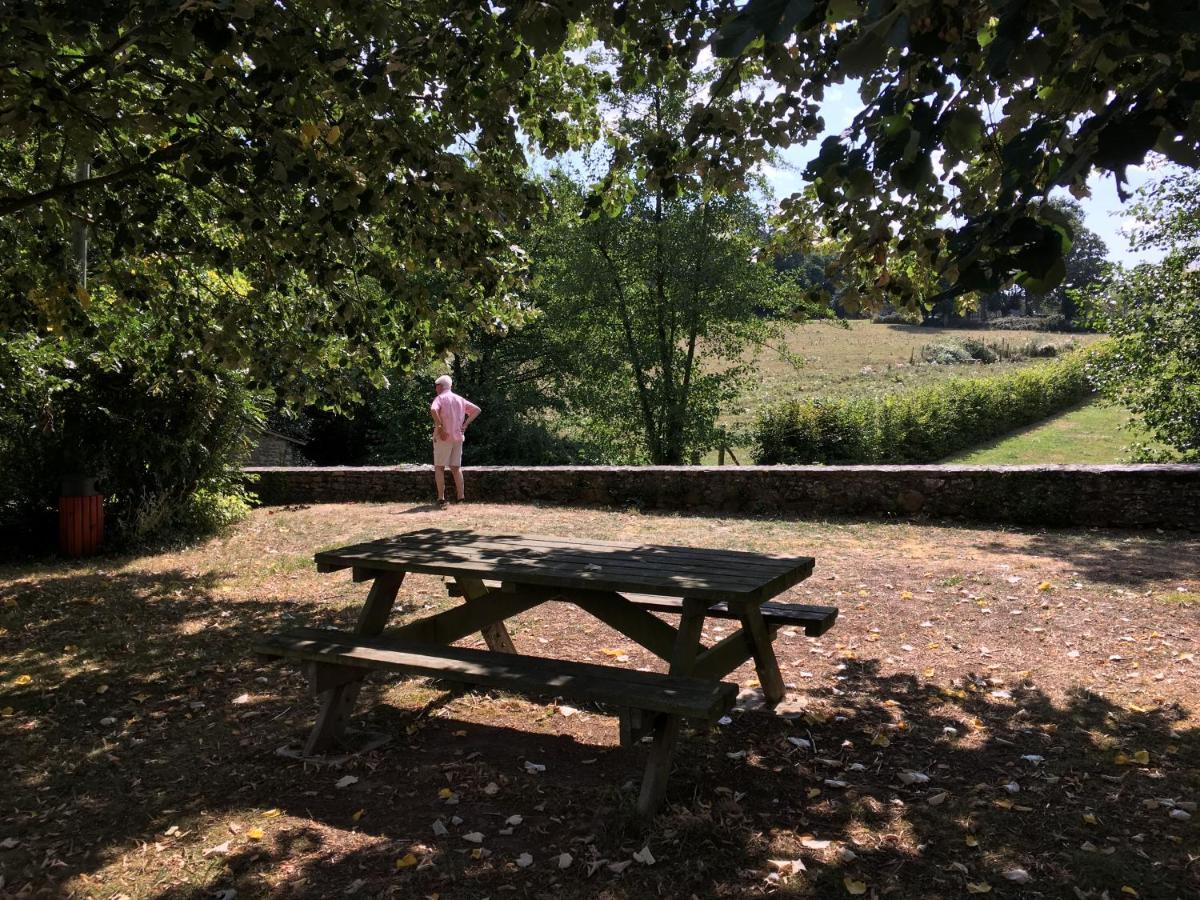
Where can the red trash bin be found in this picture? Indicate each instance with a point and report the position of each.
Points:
(80, 517)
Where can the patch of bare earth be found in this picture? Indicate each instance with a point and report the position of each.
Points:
(1012, 712)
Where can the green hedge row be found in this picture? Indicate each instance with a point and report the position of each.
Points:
(918, 426)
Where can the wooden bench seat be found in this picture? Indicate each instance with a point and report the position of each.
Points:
(336, 651)
(815, 620)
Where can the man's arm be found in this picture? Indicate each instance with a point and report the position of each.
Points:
(472, 412)
(437, 423)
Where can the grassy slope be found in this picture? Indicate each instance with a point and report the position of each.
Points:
(1092, 433)
(860, 360)
(864, 359)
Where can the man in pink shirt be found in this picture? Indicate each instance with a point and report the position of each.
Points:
(451, 416)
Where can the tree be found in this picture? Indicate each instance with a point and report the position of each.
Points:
(974, 112)
(1152, 313)
(649, 314)
(313, 147)
(1086, 264)
(327, 156)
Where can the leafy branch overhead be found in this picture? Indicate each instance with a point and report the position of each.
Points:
(330, 157)
(973, 112)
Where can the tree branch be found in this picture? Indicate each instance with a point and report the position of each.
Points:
(64, 190)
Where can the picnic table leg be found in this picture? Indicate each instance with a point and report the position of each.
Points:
(765, 662)
(338, 702)
(496, 636)
(666, 728)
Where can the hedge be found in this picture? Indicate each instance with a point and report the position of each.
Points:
(918, 426)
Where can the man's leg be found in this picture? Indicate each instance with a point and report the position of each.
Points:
(439, 481)
(457, 473)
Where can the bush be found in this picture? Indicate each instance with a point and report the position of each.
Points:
(1030, 323)
(918, 426)
(164, 432)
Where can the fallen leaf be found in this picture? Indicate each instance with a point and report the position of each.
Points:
(23, 679)
(407, 861)
(854, 887)
(241, 699)
(644, 856)
(971, 841)
(978, 887)
(524, 861)
(514, 820)
(271, 814)
(913, 778)
(812, 793)
(813, 844)
(1045, 586)
(906, 595)
(219, 850)
(8, 711)
(439, 829)
(565, 860)
(255, 834)
(1019, 876)
(346, 780)
(534, 768)
(474, 837)
(619, 867)
(787, 867)
(1142, 757)
(1126, 889)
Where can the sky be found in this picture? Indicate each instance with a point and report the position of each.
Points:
(1103, 211)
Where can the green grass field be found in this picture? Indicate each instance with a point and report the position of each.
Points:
(860, 358)
(1092, 433)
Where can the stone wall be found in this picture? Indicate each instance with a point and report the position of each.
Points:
(276, 450)
(1164, 496)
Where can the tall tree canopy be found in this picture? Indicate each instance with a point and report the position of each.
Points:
(974, 111)
(312, 162)
(331, 153)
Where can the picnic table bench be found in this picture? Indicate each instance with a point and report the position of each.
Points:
(499, 576)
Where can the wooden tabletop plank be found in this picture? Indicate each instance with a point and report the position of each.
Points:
(625, 555)
(563, 562)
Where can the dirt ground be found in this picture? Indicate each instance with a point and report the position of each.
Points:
(996, 711)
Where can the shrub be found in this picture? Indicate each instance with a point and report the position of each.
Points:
(918, 426)
(947, 354)
(1030, 323)
(165, 433)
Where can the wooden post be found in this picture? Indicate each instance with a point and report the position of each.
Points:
(666, 728)
(338, 702)
(764, 654)
(495, 635)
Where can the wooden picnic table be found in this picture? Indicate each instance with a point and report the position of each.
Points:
(499, 576)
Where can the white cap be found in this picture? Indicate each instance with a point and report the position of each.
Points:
(444, 379)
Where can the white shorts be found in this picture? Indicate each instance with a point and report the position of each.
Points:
(447, 453)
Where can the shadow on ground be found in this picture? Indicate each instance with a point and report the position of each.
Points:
(143, 712)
